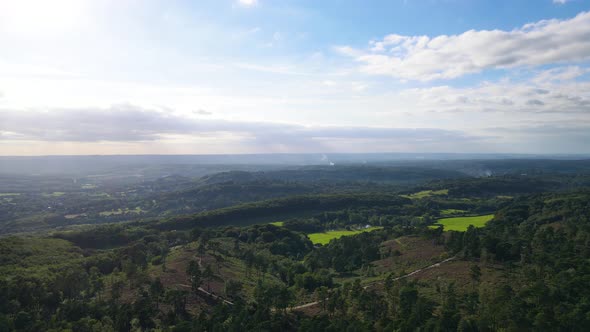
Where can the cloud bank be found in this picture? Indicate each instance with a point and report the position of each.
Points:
(424, 58)
(129, 123)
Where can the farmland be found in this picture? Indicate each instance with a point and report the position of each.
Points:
(450, 212)
(426, 193)
(462, 223)
(326, 237)
(137, 210)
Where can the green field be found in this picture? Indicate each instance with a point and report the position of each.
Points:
(54, 194)
(325, 237)
(426, 193)
(461, 223)
(120, 211)
(449, 212)
(278, 223)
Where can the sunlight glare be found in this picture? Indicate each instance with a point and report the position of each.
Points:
(38, 16)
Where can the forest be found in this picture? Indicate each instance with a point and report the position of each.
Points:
(519, 259)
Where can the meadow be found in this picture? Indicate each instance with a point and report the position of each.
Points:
(426, 193)
(119, 211)
(54, 194)
(450, 212)
(325, 237)
(461, 223)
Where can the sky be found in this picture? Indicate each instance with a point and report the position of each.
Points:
(81, 77)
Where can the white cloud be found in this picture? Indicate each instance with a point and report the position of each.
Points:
(133, 124)
(330, 119)
(127, 122)
(560, 74)
(426, 58)
(547, 100)
(561, 2)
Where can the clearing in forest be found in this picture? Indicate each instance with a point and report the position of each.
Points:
(450, 212)
(325, 237)
(427, 193)
(462, 223)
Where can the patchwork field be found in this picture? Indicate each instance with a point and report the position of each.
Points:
(461, 224)
(325, 237)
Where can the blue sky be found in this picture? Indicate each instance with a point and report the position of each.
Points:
(261, 76)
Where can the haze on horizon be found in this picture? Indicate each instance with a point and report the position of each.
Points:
(260, 76)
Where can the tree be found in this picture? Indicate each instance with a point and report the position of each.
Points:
(123, 316)
(116, 289)
(282, 298)
(322, 296)
(144, 310)
(4, 324)
(408, 296)
(215, 246)
(156, 291)
(449, 318)
(96, 283)
(72, 282)
(23, 320)
(233, 289)
(194, 273)
(201, 249)
(208, 275)
(475, 273)
(237, 246)
(177, 298)
(471, 242)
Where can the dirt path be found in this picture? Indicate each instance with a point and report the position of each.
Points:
(216, 297)
(203, 291)
(311, 304)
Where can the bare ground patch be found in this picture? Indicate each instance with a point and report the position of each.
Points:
(408, 253)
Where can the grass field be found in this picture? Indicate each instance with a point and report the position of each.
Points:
(74, 216)
(449, 212)
(120, 211)
(426, 193)
(278, 223)
(54, 194)
(325, 237)
(461, 223)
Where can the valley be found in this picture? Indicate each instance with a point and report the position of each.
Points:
(279, 253)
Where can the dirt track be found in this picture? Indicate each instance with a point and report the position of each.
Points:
(311, 304)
